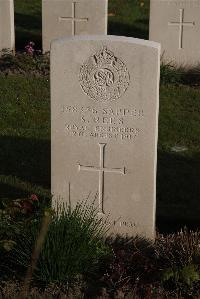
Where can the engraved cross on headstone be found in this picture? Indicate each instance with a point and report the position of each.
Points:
(101, 170)
(181, 24)
(73, 19)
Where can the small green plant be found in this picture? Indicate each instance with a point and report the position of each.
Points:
(177, 75)
(16, 216)
(179, 250)
(22, 210)
(73, 246)
(178, 258)
(187, 275)
(30, 62)
(9, 233)
(169, 74)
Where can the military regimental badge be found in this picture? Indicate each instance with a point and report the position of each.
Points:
(104, 77)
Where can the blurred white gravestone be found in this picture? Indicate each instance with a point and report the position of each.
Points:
(69, 18)
(104, 120)
(176, 25)
(7, 30)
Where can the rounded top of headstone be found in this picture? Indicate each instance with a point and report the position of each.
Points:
(112, 38)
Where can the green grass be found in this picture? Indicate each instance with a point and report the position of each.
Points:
(178, 173)
(25, 121)
(86, 262)
(82, 247)
(129, 18)
(25, 134)
(179, 118)
(28, 22)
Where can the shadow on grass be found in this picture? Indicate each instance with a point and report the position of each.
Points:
(133, 30)
(178, 192)
(178, 188)
(28, 160)
(28, 28)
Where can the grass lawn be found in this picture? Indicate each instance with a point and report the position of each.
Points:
(25, 135)
(28, 22)
(25, 124)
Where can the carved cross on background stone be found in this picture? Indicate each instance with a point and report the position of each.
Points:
(73, 19)
(181, 25)
(101, 170)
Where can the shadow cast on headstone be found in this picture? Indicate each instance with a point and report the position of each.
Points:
(135, 30)
(25, 159)
(28, 28)
(178, 192)
(178, 188)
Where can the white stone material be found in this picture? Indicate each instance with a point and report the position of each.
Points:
(104, 120)
(176, 25)
(7, 30)
(62, 18)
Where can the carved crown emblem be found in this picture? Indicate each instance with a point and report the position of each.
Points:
(104, 77)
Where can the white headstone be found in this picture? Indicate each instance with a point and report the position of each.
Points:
(7, 31)
(104, 109)
(70, 17)
(176, 25)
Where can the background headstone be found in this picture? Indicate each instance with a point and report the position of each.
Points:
(7, 31)
(104, 105)
(69, 18)
(176, 25)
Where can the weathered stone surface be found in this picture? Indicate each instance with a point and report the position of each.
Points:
(176, 25)
(7, 31)
(104, 105)
(62, 18)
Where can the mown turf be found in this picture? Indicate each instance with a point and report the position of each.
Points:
(178, 173)
(129, 18)
(24, 135)
(126, 17)
(179, 118)
(28, 23)
(25, 124)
